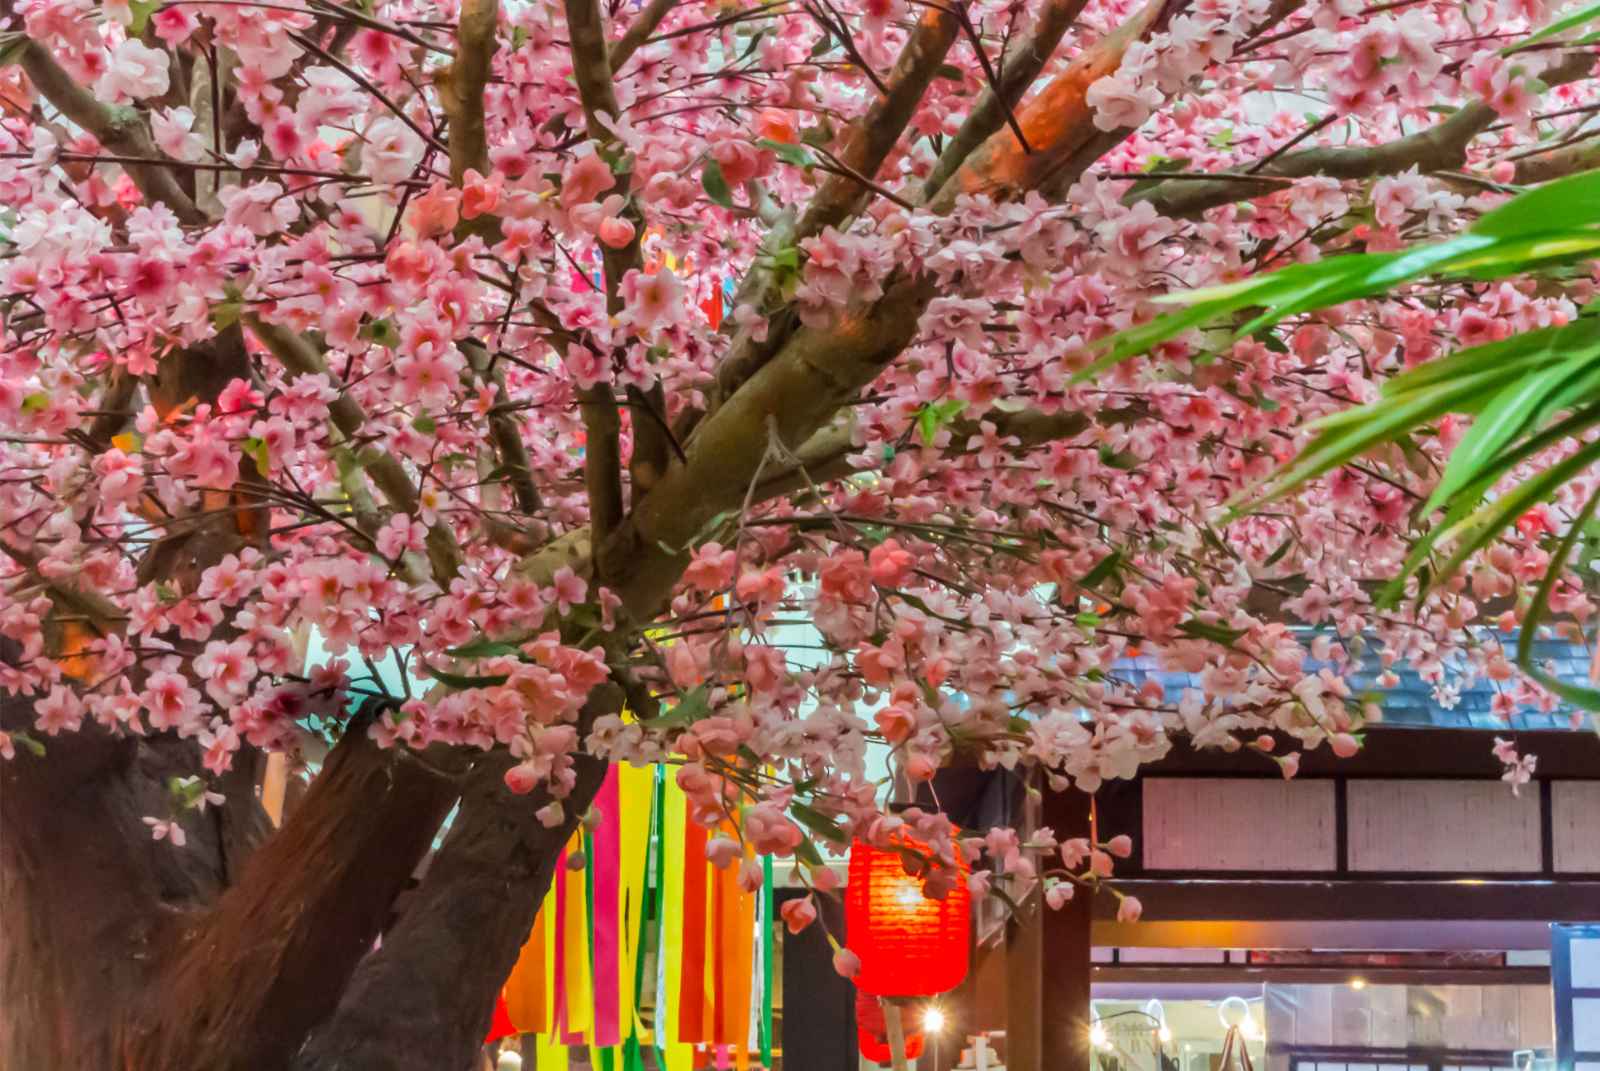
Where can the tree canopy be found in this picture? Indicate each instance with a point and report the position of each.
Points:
(560, 357)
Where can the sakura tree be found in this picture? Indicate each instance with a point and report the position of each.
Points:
(396, 330)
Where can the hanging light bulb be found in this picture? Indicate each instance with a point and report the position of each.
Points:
(1097, 1036)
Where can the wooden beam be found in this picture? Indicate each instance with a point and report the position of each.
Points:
(1253, 900)
(1396, 751)
(1238, 974)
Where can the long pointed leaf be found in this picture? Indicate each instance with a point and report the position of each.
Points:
(1488, 522)
(1506, 416)
(1381, 421)
(1577, 18)
(1588, 698)
(1574, 201)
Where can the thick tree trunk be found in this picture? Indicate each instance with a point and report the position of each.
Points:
(248, 979)
(121, 952)
(423, 1001)
(86, 897)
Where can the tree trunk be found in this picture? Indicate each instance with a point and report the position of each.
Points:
(423, 1001)
(246, 981)
(121, 952)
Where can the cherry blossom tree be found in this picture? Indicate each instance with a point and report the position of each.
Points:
(397, 332)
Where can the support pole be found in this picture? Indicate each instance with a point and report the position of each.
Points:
(897, 1032)
(1067, 942)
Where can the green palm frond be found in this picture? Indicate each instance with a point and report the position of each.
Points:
(1526, 393)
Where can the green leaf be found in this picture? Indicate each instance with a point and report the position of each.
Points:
(1103, 570)
(1118, 459)
(425, 424)
(1503, 419)
(715, 183)
(1587, 698)
(1577, 18)
(788, 152)
(1359, 430)
(818, 823)
(484, 647)
(140, 12)
(1574, 201)
(935, 415)
(807, 853)
(1476, 531)
(36, 402)
(1203, 630)
(694, 705)
(381, 333)
(26, 739)
(463, 683)
(225, 314)
(258, 452)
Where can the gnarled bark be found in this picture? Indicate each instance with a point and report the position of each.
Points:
(423, 1001)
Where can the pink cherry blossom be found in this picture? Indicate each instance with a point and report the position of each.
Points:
(798, 914)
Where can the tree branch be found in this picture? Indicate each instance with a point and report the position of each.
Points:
(825, 456)
(1023, 62)
(302, 358)
(118, 129)
(1057, 121)
(817, 371)
(1557, 163)
(513, 452)
(841, 196)
(461, 87)
(591, 68)
(638, 32)
(1441, 147)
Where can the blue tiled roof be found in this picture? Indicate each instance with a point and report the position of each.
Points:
(1411, 701)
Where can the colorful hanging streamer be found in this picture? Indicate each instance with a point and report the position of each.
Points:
(647, 945)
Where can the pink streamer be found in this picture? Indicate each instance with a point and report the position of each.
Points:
(607, 863)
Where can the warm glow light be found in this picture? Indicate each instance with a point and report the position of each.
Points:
(1097, 1036)
(1358, 983)
(933, 1020)
(1164, 1035)
(1249, 1029)
(1233, 1011)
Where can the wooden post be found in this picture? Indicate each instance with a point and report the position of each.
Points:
(896, 1030)
(1025, 1007)
(1067, 941)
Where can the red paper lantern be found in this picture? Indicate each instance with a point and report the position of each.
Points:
(872, 1033)
(877, 1049)
(910, 946)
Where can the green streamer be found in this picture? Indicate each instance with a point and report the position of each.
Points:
(766, 960)
(656, 860)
